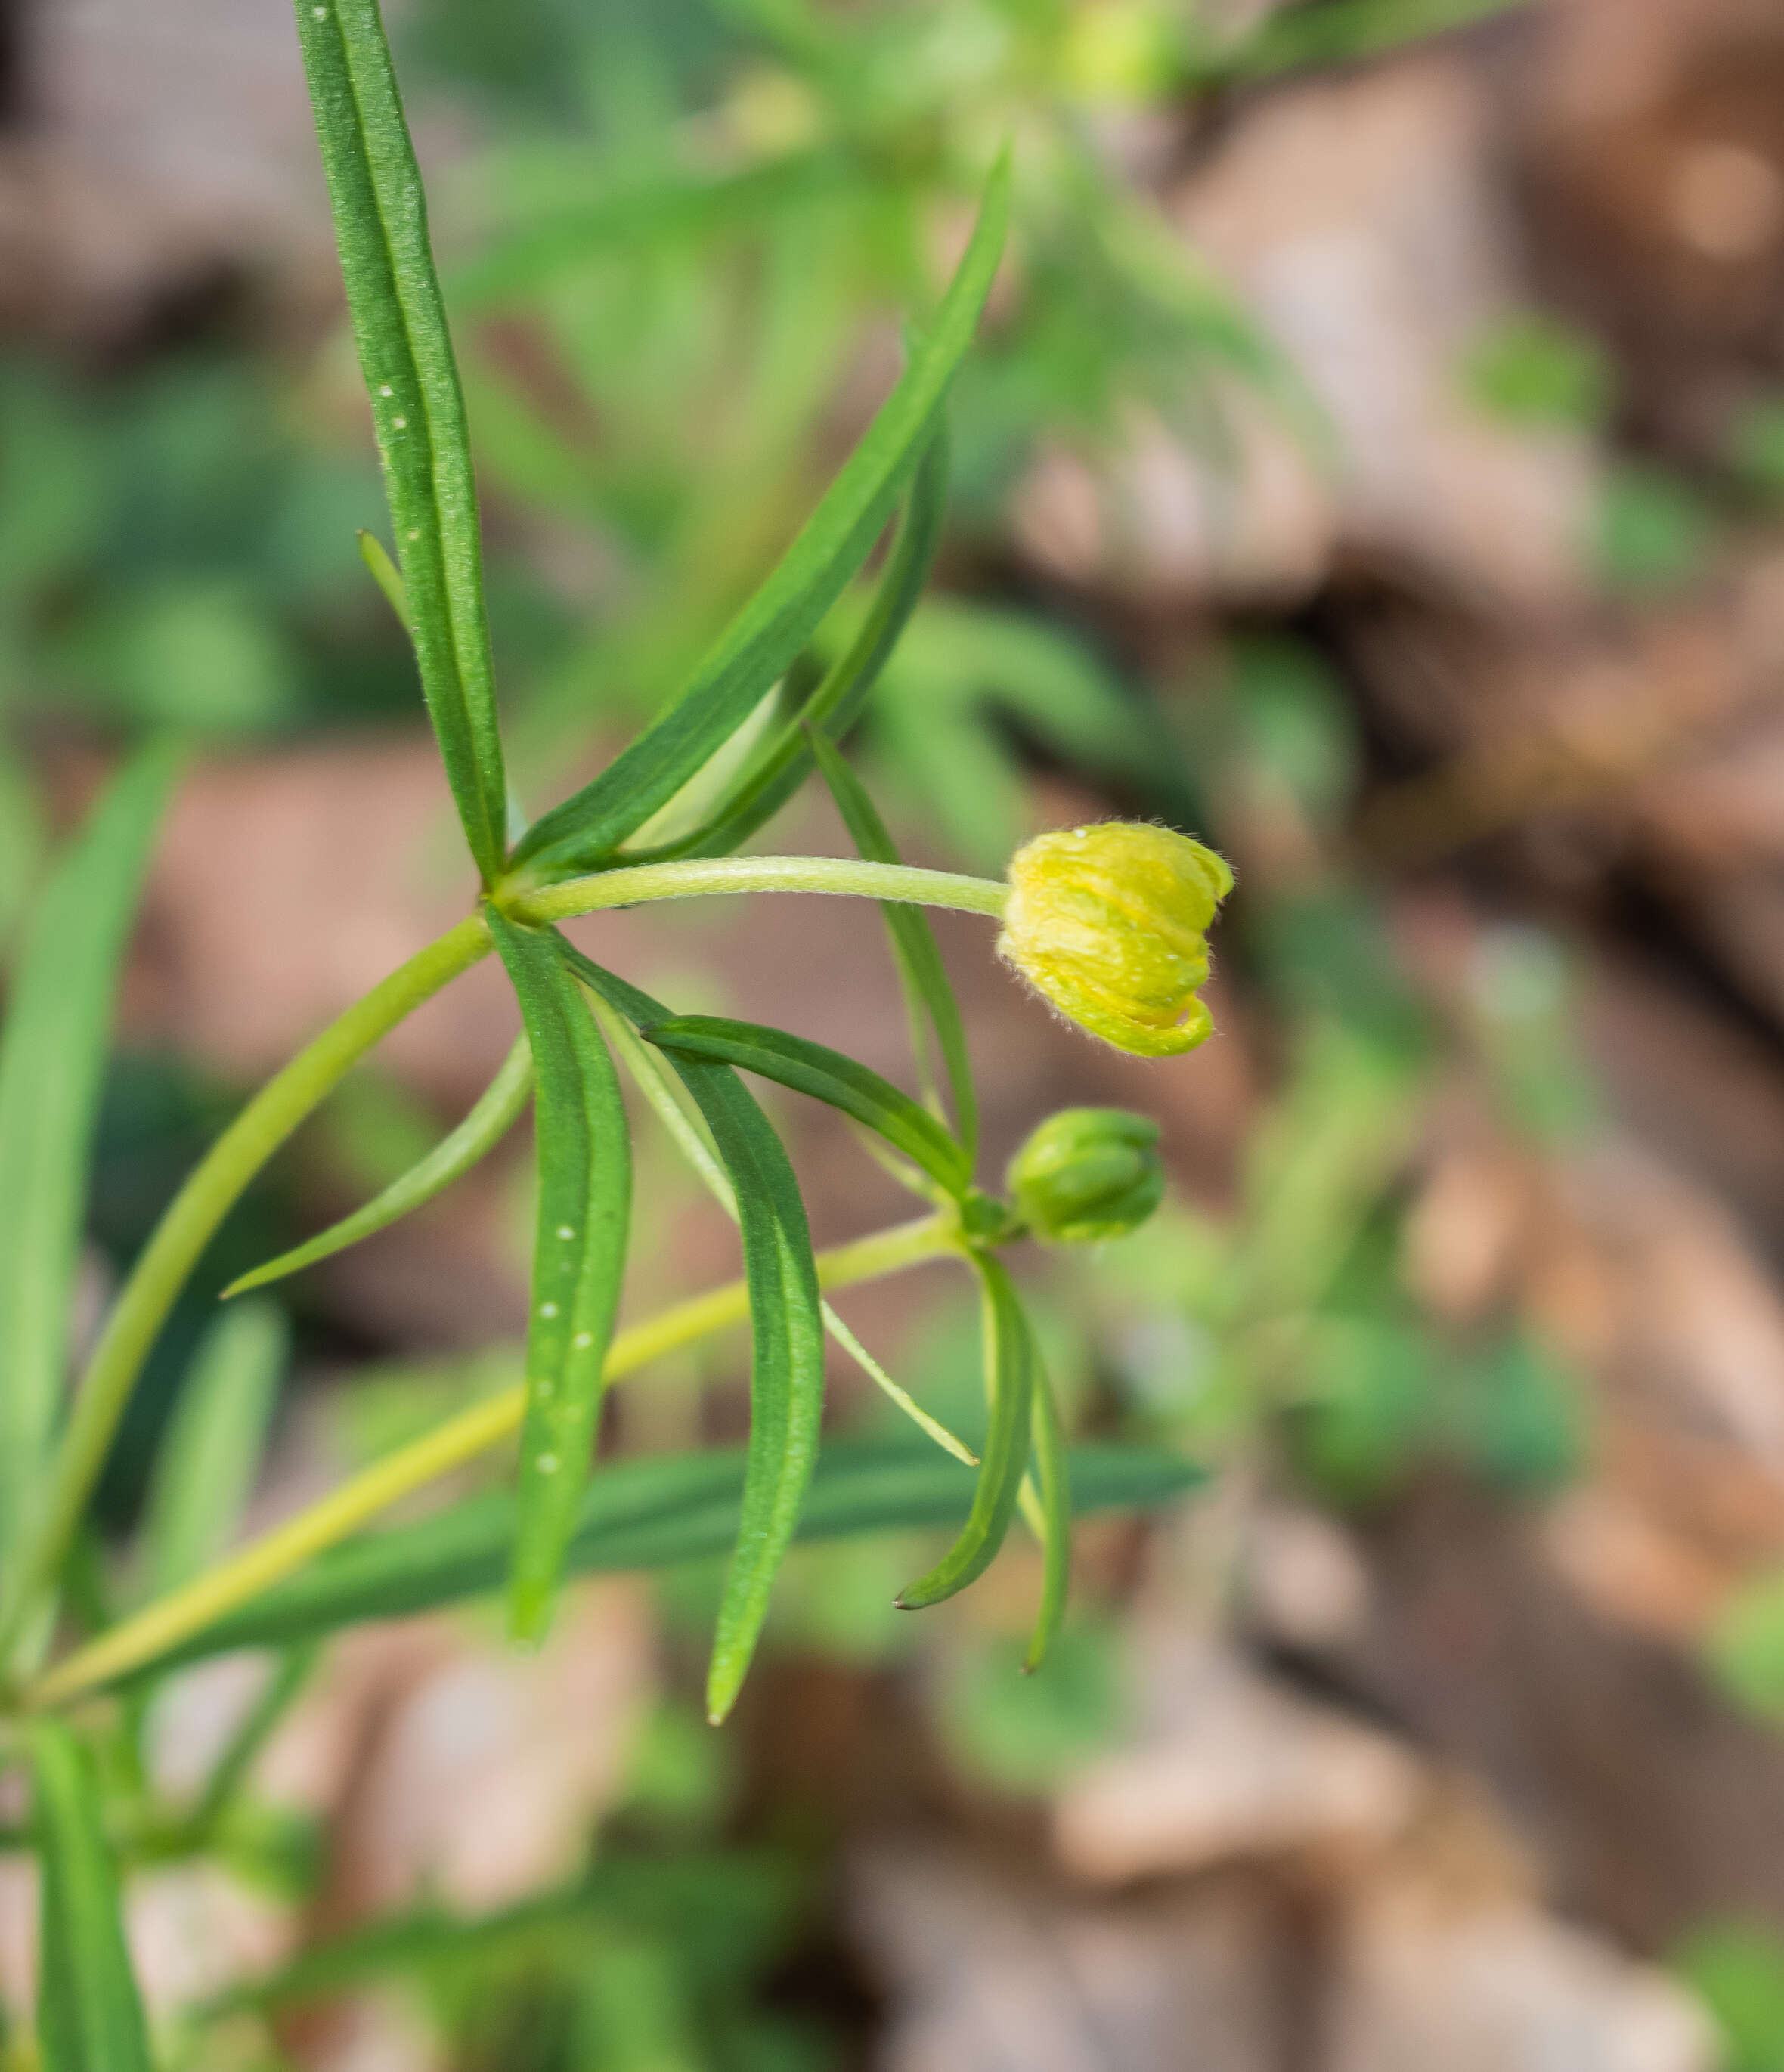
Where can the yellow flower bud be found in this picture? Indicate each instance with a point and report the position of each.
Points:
(1108, 921)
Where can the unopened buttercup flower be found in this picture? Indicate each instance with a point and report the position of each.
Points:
(1087, 1173)
(1109, 921)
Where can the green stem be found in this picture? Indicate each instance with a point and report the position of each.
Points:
(852, 876)
(164, 1624)
(210, 1192)
(282, 1688)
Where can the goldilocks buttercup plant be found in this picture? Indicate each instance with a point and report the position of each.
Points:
(1108, 922)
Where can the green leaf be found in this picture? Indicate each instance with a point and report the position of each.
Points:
(1736, 1968)
(230, 1772)
(405, 351)
(786, 1336)
(740, 1902)
(927, 991)
(204, 1472)
(1744, 1645)
(761, 641)
(655, 1082)
(825, 1074)
(579, 1259)
(1010, 1381)
(649, 1513)
(844, 687)
(901, 1398)
(52, 1058)
(497, 1108)
(1053, 1476)
(89, 2015)
(647, 213)
(1345, 32)
(965, 674)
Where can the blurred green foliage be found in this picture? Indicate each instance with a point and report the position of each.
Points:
(179, 550)
(1530, 369)
(1754, 448)
(1743, 1646)
(1736, 1969)
(1022, 1734)
(1654, 531)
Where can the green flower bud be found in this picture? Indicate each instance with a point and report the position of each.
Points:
(1087, 1173)
(1108, 921)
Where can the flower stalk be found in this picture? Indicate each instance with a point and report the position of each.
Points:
(631, 885)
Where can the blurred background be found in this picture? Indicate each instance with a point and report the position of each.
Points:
(1373, 462)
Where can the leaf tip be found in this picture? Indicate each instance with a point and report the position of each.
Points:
(530, 1608)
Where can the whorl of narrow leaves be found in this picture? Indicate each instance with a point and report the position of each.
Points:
(582, 834)
(774, 776)
(786, 1336)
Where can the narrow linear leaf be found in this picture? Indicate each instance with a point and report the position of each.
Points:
(649, 1514)
(282, 1688)
(498, 1108)
(694, 1140)
(763, 641)
(52, 1060)
(825, 1074)
(204, 1472)
(929, 995)
(844, 687)
(1010, 1381)
(654, 1079)
(385, 575)
(1052, 1473)
(579, 1260)
(902, 1398)
(405, 351)
(650, 213)
(89, 2014)
(786, 1336)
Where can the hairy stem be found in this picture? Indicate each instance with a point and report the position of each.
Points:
(276, 1555)
(210, 1191)
(851, 876)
